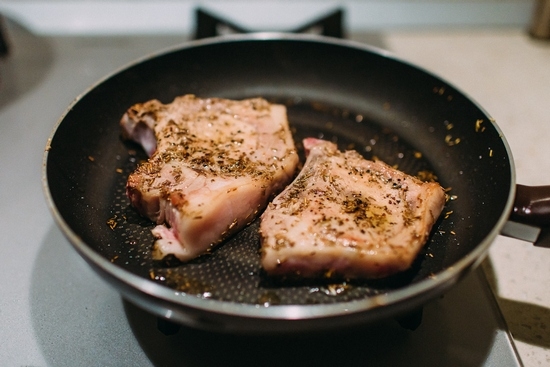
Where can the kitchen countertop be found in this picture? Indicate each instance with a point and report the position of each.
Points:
(504, 70)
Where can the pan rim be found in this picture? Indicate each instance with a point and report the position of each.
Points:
(277, 312)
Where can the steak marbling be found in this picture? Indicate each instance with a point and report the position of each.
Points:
(345, 216)
(214, 164)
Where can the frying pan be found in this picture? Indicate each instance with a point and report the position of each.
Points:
(357, 96)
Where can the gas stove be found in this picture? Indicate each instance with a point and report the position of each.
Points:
(56, 311)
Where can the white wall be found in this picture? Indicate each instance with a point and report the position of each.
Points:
(165, 16)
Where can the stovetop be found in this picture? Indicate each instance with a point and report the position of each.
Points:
(54, 311)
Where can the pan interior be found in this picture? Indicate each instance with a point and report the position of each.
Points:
(385, 109)
(232, 272)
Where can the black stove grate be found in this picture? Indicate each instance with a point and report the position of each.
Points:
(210, 25)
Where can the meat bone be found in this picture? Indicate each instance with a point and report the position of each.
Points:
(530, 217)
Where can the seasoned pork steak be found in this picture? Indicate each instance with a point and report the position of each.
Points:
(347, 217)
(214, 164)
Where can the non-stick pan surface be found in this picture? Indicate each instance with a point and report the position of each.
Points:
(359, 97)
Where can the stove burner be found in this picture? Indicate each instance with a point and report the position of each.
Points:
(209, 25)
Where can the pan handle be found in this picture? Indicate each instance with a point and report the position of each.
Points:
(530, 216)
(532, 205)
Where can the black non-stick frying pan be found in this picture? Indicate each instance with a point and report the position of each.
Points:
(357, 96)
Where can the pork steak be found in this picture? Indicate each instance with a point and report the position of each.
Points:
(347, 217)
(214, 164)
